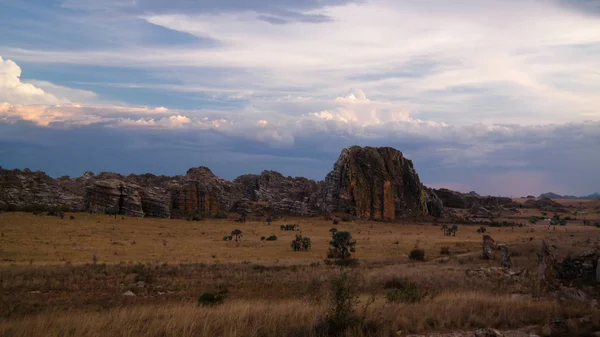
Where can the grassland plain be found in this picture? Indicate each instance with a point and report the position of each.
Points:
(51, 284)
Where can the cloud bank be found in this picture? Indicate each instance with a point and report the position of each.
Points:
(494, 96)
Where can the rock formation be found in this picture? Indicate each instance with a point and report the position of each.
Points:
(279, 194)
(488, 247)
(478, 206)
(545, 204)
(547, 273)
(374, 183)
(28, 189)
(580, 270)
(369, 183)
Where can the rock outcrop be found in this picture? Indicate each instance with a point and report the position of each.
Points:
(474, 201)
(374, 183)
(545, 204)
(25, 189)
(279, 194)
(368, 183)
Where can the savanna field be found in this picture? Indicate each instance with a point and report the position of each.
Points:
(94, 275)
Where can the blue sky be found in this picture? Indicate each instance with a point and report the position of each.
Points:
(495, 96)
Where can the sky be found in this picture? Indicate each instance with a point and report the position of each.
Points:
(500, 97)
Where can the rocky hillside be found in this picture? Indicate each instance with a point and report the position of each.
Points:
(478, 206)
(369, 183)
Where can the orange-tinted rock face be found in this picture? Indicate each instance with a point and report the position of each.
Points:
(195, 198)
(389, 206)
(375, 183)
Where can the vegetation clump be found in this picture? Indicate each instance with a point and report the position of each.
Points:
(403, 291)
(301, 243)
(417, 254)
(289, 227)
(211, 298)
(342, 245)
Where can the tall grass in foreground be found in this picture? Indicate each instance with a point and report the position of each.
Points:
(448, 311)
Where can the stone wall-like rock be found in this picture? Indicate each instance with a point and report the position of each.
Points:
(374, 183)
(28, 189)
(200, 191)
(280, 194)
(111, 194)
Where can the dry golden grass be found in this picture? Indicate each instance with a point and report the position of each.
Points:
(49, 287)
(30, 239)
(447, 312)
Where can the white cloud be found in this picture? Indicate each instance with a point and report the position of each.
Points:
(12, 90)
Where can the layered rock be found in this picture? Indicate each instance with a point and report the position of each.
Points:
(112, 193)
(28, 189)
(374, 183)
(200, 191)
(280, 194)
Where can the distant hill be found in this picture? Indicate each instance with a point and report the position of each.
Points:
(552, 195)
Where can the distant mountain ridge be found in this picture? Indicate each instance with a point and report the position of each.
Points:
(553, 195)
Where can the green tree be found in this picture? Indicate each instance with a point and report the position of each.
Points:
(342, 245)
(236, 233)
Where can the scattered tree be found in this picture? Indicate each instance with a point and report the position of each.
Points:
(301, 243)
(237, 234)
(342, 245)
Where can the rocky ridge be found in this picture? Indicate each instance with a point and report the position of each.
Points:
(366, 182)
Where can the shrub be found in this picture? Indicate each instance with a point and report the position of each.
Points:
(72, 217)
(227, 238)
(444, 251)
(342, 245)
(417, 254)
(335, 221)
(533, 220)
(301, 243)
(269, 220)
(220, 215)
(272, 238)
(194, 217)
(562, 222)
(210, 298)
(289, 227)
(262, 238)
(236, 233)
(142, 273)
(343, 298)
(346, 218)
(404, 291)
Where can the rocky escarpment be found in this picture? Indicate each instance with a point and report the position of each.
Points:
(478, 206)
(375, 183)
(274, 193)
(371, 183)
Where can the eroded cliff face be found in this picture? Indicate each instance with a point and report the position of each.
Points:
(370, 183)
(279, 194)
(200, 191)
(375, 183)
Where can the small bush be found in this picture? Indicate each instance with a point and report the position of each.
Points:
(417, 254)
(210, 298)
(403, 291)
(262, 238)
(272, 238)
(289, 227)
(346, 218)
(335, 221)
(301, 243)
(444, 251)
(72, 217)
(220, 215)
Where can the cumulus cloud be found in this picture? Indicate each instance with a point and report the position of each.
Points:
(12, 90)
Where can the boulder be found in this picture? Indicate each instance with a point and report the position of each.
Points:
(547, 268)
(374, 183)
(488, 247)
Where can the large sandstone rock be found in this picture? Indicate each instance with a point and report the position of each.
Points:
(110, 194)
(200, 191)
(479, 206)
(280, 194)
(374, 183)
(26, 189)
